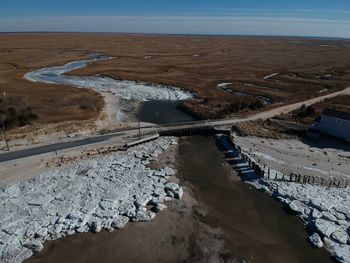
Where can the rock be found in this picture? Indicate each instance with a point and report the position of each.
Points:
(82, 229)
(179, 193)
(340, 252)
(119, 221)
(339, 216)
(143, 216)
(159, 207)
(32, 229)
(96, 226)
(170, 194)
(316, 240)
(327, 215)
(169, 171)
(321, 205)
(297, 207)
(171, 187)
(41, 233)
(70, 232)
(58, 228)
(76, 215)
(159, 173)
(316, 214)
(325, 227)
(173, 190)
(340, 236)
(35, 245)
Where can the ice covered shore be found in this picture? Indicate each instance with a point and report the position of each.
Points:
(97, 194)
(325, 211)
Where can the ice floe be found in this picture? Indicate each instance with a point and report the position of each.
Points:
(104, 193)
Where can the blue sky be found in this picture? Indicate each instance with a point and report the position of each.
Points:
(250, 17)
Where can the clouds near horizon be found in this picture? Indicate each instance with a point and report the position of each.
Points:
(223, 17)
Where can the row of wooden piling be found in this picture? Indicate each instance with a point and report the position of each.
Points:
(268, 174)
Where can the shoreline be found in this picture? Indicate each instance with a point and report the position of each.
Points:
(325, 216)
(104, 193)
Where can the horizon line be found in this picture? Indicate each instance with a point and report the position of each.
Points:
(174, 34)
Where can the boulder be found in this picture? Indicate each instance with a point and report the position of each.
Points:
(169, 171)
(340, 236)
(159, 207)
(316, 214)
(143, 216)
(119, 221)
(160, 173)
(325, 227)
(70, 232)
(42, 233)
(96, 226)
(298, 207)
(316, 240)
(171, 187)
(327, 215)
(34, 245)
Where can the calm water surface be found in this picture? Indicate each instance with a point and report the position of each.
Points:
(256, 227)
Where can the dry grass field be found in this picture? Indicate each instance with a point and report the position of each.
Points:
(305, 67)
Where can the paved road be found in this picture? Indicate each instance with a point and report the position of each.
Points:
(154, 128)
(55, 147)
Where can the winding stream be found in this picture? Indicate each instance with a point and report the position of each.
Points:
(125, 89)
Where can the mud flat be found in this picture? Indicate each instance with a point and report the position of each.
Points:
(103, 193)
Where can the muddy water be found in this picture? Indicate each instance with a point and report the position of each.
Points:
(255, 226)
(163, 112)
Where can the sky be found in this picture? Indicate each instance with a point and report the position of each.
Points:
(321, 18)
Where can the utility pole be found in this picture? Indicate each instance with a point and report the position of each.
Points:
(139, 121)
(3, 123)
